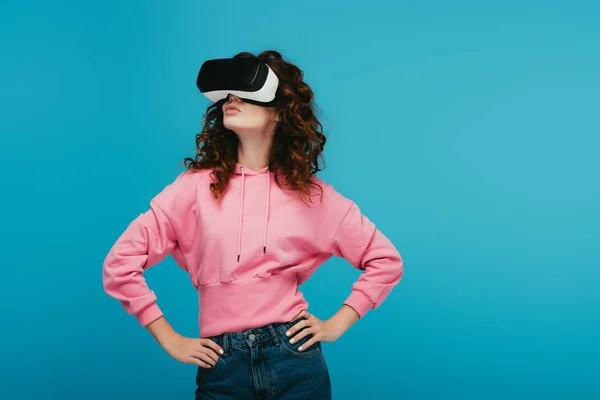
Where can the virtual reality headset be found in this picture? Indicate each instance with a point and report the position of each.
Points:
(247, 78)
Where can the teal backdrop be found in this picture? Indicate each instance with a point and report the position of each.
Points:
(468, 131)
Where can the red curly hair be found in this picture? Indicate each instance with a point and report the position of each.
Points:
(297, 145)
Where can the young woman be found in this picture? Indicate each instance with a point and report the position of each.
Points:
(250, 222)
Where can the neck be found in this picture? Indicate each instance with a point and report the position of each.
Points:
(254, 151)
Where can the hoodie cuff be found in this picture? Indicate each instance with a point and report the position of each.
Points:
(149, 314)
(359, 302)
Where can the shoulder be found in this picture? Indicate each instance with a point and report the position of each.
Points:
(186, 179)
(333, 199)
(181, 190)
(193, 176)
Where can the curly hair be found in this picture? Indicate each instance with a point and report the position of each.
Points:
(297, 145)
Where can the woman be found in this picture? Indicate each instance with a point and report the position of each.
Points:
(250, 222)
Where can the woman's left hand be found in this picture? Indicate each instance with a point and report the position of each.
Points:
(323, 331)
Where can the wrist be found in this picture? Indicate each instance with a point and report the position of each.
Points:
(162, 331)
(342, 320)
(334, 327)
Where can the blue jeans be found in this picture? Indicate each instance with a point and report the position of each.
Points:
(261, 364)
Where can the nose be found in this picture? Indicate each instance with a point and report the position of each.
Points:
(232, 98)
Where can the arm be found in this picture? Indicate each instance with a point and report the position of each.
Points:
(148, 240)
(366, 248)
(353, 237)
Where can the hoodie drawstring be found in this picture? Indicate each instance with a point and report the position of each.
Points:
(239, 241)
(267, 211)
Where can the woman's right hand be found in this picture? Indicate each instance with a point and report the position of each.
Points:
(202, 352)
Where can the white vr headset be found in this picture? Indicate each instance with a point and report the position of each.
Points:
(247, 78)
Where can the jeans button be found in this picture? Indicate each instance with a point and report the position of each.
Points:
(251, 336)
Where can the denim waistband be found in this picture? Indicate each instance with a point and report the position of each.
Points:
(253, 336)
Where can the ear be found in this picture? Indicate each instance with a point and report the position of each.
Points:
(277, 117)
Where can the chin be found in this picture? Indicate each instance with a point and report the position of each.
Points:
(239, 126)
(229, 124)
(233, 126)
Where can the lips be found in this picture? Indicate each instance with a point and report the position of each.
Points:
(229, 108)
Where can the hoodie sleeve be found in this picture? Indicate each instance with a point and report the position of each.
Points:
(147, 241)
(367, 249)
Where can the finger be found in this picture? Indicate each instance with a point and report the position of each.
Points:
(308, 343)
(203, 357)
(212, 345)
(208, 351)
(200, 363)
(305, 332)
(295, 328)
(309, 316)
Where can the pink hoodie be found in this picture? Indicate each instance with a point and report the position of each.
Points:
(247, 256)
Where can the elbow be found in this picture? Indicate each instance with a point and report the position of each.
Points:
(116, 272)
(110, 276)
(393, 270)
(398, 269)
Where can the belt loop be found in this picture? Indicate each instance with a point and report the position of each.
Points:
(274, 335)
(225, 342)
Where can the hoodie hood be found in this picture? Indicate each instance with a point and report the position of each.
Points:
(245, 171)
(241, 169)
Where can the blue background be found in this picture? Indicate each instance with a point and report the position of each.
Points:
(467, 131)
